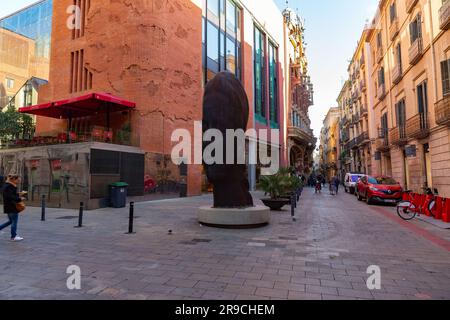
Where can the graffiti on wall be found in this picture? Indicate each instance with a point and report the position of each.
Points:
(59, 173)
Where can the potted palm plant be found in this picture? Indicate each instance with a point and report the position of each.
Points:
(277, 187)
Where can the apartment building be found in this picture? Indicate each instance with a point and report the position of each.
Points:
(407, 59)
(330, 144)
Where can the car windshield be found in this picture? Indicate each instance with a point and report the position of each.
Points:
(383, 181)
(355, 178)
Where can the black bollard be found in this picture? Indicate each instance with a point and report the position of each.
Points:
(292, 206)
(131, 220)
(80, 216)
(43, 208)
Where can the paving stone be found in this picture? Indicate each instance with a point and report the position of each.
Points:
(355, 293)
(322, 290)
(272, 293)
(333, 249)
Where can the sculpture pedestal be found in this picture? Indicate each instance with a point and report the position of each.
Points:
(253, 217)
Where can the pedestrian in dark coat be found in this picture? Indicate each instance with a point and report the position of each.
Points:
(10, 200)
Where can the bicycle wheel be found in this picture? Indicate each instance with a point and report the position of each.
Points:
(405, 210)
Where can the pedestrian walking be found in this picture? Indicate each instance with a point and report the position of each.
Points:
(336, 183)
(11, 204)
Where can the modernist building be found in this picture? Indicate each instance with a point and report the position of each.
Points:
(24, 53)
(300, 139)
(406, 52)
(160, 55)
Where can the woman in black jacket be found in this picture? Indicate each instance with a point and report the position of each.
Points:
(10, 199)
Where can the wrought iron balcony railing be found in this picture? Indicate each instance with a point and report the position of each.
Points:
(444, 16)
(416, 51)
(442, 111)
(397, 74)
(418, 126)
(397, 135)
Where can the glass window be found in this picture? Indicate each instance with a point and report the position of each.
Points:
(393, 12)
(231, 18)
(445, 75)
(9, 83)
(28, 95)
(400, 113)
(259, 69)
(382, 181)
(273, 84)
(222, 40)
(231, 55)
(213, 9)
(415, 29)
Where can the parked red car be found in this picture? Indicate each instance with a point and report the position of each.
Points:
(378, 189)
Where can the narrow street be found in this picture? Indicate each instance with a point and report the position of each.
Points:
(323, 255)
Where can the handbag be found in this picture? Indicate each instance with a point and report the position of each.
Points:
(20, 207)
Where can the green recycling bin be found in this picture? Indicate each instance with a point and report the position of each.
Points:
(118, 194)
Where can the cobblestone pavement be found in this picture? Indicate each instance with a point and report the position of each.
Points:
(323, 255)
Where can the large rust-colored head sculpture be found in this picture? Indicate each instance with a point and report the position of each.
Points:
(225, 106)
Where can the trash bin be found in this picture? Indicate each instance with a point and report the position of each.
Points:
(118, 194)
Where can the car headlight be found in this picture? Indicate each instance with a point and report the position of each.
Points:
(373, 189)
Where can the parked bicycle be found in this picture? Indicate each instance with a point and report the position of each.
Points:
(411, 207)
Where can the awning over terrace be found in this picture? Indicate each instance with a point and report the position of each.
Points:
(87, 105)
(83, 106)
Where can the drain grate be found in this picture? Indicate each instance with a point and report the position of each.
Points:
(67, 218)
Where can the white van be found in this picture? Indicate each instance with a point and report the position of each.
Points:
(350, 181)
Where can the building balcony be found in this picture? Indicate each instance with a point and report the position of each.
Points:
(418, 126)
(296, 78)
(397, 136)
(381, 93)
(354, 144)
(364, 111)
(379, 54)
(410, 5)
(394, 29)
(362, 85)
(444, 16)
(382, 144)
(397, 74)
(363, 138)
(416, 51)
(442, 111)
(301, 135)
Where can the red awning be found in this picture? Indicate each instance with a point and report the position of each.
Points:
(87, 105)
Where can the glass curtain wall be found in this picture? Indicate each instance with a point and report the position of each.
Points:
(221, 38)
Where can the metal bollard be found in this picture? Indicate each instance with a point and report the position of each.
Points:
(131, 219)
(43, 208)
(80, 216)
(292, 206)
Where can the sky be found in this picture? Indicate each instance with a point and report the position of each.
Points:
(333, 28)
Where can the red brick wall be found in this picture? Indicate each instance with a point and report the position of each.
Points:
(146, 52)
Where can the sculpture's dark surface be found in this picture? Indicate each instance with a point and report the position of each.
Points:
(225, 106)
